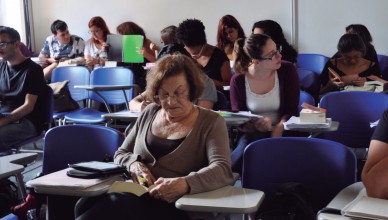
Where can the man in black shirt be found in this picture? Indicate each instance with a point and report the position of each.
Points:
(21, 84)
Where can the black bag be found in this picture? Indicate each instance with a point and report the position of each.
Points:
(8, 196)
(291, 202)
(63, 102)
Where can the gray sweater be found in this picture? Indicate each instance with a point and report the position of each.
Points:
(203, 157)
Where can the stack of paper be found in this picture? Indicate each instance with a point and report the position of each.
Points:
(247, 114)
(367, 208)
(294, 122)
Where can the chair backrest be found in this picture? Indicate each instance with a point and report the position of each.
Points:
(323, 167)
(305, 97)
(76, 143)
(383, 62)
(354, 110)
(77, 75)
(309, 82)
(313, 62)
(112, 76)
(222, 102)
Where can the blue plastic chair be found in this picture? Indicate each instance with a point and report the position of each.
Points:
(323, 167)
(104, 76)
(313, 62)
(383, 62)
(77, 75)
(354, 110)
(309, 82)
(76, 143)
(305, 97)
(222, 102)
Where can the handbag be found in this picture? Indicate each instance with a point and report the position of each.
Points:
(63, 102)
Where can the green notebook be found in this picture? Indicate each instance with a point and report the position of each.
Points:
(132, 44)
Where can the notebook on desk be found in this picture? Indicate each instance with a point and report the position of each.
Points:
(366, 207)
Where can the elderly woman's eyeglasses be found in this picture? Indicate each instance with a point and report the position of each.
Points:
(176, 97)
(273, 54)
(4, 44)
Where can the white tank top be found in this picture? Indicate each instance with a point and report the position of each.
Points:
(264, 104)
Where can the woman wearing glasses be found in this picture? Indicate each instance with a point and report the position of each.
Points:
(350, 68)
(266, 86)
(174, 145)
(95, 45)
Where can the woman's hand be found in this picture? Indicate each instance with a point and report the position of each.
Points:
(92, 61)
(141, 174)
(278, 129)
(263, 124)
(360, 81)
(170, 189)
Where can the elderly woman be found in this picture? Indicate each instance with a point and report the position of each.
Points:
(175, 146)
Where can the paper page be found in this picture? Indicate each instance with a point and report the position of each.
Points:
(374, 124)
(294, 122)
(127, 186)
(367, 207)
(240, 113)
(132, 44)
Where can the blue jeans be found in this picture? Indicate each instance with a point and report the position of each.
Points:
(15, 132)
(243, 141)
(246, 138)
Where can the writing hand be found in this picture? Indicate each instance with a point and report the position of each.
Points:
(263, 124)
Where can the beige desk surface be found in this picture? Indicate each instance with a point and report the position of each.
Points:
(228, 199)
(58, 183)
(341, 200)
(12, 164)
(123, 115)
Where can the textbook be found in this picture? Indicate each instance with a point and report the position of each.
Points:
(367, 208)
(129, 186)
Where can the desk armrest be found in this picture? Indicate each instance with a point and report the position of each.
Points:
(227, 199)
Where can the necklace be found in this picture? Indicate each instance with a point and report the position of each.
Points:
(199, 54)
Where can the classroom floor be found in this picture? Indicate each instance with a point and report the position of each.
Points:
(32, 170)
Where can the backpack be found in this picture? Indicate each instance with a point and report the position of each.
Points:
(291, 202)
(63, 102)
(8, 196)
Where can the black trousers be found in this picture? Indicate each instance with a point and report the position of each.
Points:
(126, 206)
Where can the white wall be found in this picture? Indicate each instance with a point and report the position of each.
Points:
(319, 24)
(322, 22)
(154, 15)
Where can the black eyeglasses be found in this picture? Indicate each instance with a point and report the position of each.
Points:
(4, 44)
(273, 54)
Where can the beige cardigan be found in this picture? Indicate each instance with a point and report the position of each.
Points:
(203, 157)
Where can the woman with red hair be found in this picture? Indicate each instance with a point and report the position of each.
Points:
(95, 45)
(229, 30)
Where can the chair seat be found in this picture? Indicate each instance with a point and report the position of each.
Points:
(85, 116)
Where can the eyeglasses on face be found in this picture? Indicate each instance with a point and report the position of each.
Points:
(94, 32)
(4, 44)
(273, 54)
(176, 97)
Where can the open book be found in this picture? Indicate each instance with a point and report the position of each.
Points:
(367, 208)
(127, 186)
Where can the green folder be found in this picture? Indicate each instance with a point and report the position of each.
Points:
(132, 44)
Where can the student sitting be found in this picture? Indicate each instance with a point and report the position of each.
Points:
(375, 175)
(264, 85)
(174, 145)
(59, 47)
(349, 69)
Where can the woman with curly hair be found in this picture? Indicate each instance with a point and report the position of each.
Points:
(214, 61)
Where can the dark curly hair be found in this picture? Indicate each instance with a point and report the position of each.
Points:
(191, 32)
